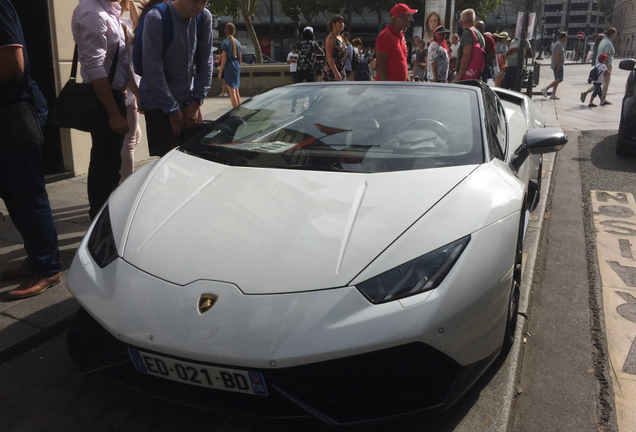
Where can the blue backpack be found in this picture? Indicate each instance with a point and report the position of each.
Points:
(168, 33)
(594, 73)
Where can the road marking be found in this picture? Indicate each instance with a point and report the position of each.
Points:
(614, 215)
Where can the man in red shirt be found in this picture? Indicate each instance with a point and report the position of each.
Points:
(390, 47)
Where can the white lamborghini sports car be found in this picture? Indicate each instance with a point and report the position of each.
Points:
(349, 251)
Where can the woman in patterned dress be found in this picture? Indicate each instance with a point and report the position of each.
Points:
(438, 56)
(335, 50)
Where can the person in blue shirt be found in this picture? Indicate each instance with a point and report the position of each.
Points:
(176, 79)
(231, 59)
(22, 171)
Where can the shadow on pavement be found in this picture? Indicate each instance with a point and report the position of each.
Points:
(604, 157)
(36, 327)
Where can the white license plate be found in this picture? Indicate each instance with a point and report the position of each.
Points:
(239, 381)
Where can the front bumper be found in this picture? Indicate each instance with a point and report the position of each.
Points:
(628, 122)
(407, 379)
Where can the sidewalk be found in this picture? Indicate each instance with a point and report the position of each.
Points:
(571, 113)
(26, 323)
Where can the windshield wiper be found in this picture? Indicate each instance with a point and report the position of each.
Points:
(337, 167)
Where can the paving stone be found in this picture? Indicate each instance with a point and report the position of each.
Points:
(167, 426)
(52, 307)
(113, 418)
(40, 422)
(10, 418)
(139, 423)
(12, 334)
(14, 399)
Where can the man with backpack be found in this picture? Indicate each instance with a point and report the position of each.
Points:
(470, 58)
(307, 50)
(351, 61)
(362, 72)
(557, 62)
(176, 57)
(489, 49)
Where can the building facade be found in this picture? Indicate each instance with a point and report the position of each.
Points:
(624, 19)
(573, 16)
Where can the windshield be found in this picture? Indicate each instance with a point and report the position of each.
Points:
(353, 128)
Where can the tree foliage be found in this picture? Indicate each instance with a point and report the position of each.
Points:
(224, 8)
(309, 9)
(482, 7)
(247, 9)
(607, 7)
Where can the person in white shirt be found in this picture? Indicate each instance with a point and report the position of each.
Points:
(607, 47)
(454, 45)
(292, 61)
(100, 39)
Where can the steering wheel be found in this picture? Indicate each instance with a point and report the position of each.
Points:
(439, 128)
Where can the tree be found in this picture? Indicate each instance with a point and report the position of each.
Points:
(607, 7)
(309, 9)
(380, 6)
(377, 6)
(224, 8)
(482, 7)
(248, 9)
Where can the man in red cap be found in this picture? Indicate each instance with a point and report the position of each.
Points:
(390, 47)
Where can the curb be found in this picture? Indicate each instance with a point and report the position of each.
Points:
(531, 245)
(25, 333)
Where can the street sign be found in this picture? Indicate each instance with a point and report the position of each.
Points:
(580, 35)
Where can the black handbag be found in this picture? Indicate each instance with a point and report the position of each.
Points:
(77, 106)
(19, 128)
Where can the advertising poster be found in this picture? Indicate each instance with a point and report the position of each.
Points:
(531, 24)
(417, 31)
(435, 16)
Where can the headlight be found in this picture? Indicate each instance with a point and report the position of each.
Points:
(101, 245)
(414, 277)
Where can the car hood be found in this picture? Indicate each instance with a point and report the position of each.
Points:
(271, 230)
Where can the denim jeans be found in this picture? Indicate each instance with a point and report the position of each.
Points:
(23, 191)
(510, 78)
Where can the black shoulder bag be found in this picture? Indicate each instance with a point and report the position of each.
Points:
(19, 128)
(77, 106)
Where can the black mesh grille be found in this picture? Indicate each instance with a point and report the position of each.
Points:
(383, 383)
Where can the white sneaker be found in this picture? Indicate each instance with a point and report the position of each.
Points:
(544, 91)
(554, 97)
(222, 94)
(226, 94)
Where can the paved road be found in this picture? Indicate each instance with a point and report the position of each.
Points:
(568, 382)
(575, 377)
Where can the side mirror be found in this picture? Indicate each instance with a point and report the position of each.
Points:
(545, 140)
(629, 64)
(539, 141)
